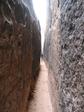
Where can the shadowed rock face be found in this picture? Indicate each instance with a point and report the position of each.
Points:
(64, 52)
(19, 35)
(36, 59)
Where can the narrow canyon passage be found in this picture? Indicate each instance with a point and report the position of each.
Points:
(41, 101)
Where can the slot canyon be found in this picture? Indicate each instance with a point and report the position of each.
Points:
(32, 81)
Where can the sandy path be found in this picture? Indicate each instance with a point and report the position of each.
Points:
(41, 101)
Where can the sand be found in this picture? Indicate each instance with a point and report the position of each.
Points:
(41, 101)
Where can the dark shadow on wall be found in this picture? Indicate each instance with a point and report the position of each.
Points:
(19, 48)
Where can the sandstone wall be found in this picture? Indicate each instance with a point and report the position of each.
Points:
(18, 29)
(64, 52)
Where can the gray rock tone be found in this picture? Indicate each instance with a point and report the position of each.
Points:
(52, 52)
(20, 46)
(64, 53)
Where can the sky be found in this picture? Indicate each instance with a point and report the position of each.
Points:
(40, 7)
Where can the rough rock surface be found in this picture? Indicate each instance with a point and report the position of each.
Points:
(19, 35)
(64, 52)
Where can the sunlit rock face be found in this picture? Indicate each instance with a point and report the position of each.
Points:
(52, 50)
(64, 52)
(19, 48)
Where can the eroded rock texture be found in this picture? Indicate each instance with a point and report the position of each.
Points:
(19, 35)
(64, 52)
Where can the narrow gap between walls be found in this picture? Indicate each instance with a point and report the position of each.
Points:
(40, 8)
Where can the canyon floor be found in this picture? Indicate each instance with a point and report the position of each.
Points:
(41, 101)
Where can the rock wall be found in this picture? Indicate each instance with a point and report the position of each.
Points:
(19, 35)
(64, 53)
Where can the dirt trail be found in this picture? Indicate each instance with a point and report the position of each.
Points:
(41, 101)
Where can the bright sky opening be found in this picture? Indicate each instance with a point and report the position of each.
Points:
(40, 7)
